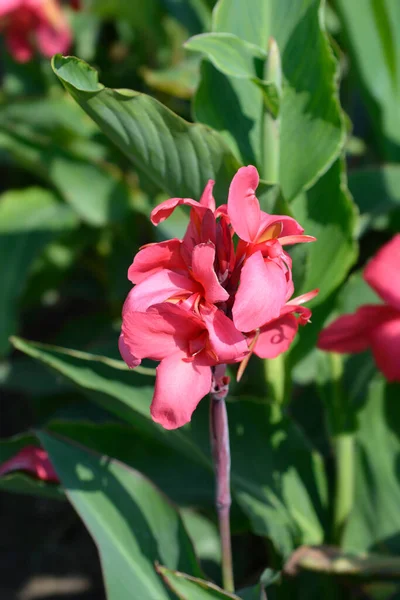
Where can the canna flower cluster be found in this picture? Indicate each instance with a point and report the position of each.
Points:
(30, 25)
(204, 301)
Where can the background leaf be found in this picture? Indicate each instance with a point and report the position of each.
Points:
(131, 522)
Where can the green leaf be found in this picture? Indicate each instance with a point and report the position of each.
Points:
(177, 156)
(172, 471)
(263, 443)
(132, 524)
(234, 57)
(375, 49)
(97, 194)
(192, 588)
(20, 482)
(373, 524)
(310, 113)
(376, 191)
(327, 212)
(29, 220)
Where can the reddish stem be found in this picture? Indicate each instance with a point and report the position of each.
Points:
(222, 465)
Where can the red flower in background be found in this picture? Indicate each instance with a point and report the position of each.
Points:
(33, 460)
(30, 25)
(373, 326)
(199, 303)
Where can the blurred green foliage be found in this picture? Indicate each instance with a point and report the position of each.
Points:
(178, 92)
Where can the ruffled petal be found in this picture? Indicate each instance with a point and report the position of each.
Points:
(203, 257)
(385, 344)
(161, 212)
(19, 45)
(157, 288)
(383, 274)
(33, 460)
(155, 257)
(276, 337)
(126, 354)
(162, 330)
(261, 294)
(180, 386)
(243, 206)
(226, 341)
(352, 333)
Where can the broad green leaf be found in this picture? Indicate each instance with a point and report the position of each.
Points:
(96, 193)
(370, 27)
(234, 57)
(177, 156)
(29, 220)
(20, 482)
(192, 588)
(373, 524)
(327, 212)
(176, 474)
(132, 524)
(309, 110)
(376, 191)
(287, 504)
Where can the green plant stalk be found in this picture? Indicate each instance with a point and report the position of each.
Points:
(344, 494)
(343, 444)
(271, 126)
(275, 375)
(219, 434)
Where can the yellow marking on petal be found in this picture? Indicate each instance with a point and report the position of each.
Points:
(272, 232)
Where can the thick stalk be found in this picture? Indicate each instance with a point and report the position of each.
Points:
(271, 139)
(219, 433)
(344, 452)
(340, 418)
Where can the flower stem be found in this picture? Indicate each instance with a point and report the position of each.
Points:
(219, 433)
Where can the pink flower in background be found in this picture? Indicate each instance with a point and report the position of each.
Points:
(198, 303)
(373, 326)
(30, 25)
(33, 460)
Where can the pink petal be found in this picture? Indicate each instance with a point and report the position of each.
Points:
(276, 226)
(33, 460)
(207, 198)
(179, 388)
(19, 45)
(261, 294)
(8, 6)
(53, 39)
(126, 354)
(203, 257)
(157, 288)
(352, 333)
(227, 342)
(276, 337)
(155, 257)
(382, 272)
(385, 343)
(162, 330)
(243, 206)
(161, 212)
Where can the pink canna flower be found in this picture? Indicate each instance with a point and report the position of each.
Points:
(373, 326)
(34, 24)
(188, 345)
(33, 460)
(199, 303)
